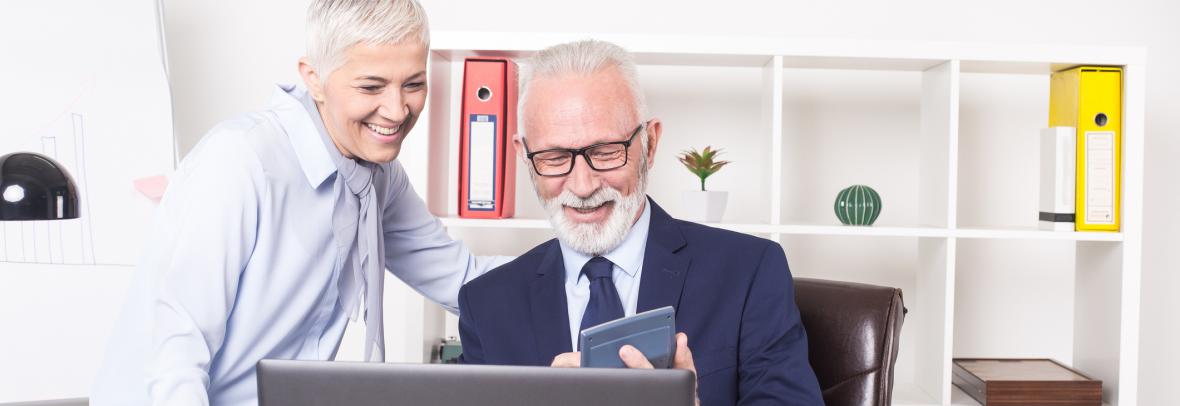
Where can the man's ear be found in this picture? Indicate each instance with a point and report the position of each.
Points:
(654, 129)
(312, 80)
(518, 143)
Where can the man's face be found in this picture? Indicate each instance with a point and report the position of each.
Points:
(370, 103)
(591, 210)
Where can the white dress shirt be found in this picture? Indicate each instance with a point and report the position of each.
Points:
(242, 265)
(628, 266)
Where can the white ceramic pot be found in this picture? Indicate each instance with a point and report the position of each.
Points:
(704, 206)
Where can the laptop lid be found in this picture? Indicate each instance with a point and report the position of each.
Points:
(307, 383)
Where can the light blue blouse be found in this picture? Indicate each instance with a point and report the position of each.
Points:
(242, 264)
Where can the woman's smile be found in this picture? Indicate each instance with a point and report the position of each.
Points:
(384, 135)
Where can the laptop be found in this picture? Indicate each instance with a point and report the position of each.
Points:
(307, 383)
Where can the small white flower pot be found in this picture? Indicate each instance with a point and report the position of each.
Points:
(704, 206)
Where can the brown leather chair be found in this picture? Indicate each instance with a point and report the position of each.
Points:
(852, 335)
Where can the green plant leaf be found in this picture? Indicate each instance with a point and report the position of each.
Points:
(702, 163)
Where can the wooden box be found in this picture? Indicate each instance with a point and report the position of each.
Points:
(1027, 382)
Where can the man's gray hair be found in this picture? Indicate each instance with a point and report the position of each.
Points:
(582, 58)
(335, 25)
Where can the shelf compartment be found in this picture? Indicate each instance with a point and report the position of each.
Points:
(890, 130)
(999, 149)
(849, 127)
(698, 111)
(998, 282)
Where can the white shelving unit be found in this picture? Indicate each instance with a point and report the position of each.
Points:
(771, 203)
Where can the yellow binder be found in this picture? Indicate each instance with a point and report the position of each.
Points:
(1090, 98)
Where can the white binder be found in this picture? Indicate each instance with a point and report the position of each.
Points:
(1058, 178)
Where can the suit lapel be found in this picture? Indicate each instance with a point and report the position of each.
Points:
(547, 299)
(665, 263)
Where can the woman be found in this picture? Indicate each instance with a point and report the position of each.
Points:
(277, 226)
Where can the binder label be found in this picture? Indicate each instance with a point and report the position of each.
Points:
(1100, 174)
(481, 173)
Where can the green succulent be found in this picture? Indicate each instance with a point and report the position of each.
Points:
(702, 163)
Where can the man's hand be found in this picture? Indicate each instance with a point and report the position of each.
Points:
(635, 359)
(682, 360)
(567, 360)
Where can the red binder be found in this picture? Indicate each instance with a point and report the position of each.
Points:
(487, 159)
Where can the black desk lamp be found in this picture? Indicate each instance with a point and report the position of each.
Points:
(35, 187)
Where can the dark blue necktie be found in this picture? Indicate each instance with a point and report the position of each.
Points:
(604, 302)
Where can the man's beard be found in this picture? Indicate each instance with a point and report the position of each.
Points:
(591, 238)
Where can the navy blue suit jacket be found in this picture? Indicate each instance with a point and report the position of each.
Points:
(732, 293)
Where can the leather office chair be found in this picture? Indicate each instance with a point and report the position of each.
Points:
(852, 335)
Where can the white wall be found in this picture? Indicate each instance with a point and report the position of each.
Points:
(225, 54)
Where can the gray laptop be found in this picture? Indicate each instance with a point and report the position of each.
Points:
(306, 383)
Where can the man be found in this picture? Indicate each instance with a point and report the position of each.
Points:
(277, 228)
(589, 146)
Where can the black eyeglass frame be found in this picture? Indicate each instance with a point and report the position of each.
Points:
(575, 153)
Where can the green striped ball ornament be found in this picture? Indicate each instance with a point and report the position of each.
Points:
(858, 205)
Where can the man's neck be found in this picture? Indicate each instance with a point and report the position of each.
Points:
(638, 214)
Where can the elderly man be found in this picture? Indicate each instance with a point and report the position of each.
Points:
(589, 143)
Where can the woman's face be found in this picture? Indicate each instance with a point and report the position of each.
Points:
(370, 103)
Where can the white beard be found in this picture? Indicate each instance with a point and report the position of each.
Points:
(595, 239)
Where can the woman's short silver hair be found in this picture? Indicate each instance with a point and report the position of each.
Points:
(582, 58)
(335, 25)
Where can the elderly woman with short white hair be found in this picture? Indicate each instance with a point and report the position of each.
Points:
(278, 227)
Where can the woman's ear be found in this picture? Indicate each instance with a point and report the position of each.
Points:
(312, 80)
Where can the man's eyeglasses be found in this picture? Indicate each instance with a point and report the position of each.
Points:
(601, 157)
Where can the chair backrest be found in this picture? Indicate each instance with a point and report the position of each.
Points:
(852, 336)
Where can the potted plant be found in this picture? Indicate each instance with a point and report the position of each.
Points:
(703, 205)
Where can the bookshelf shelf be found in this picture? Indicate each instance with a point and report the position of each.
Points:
(912, 396)
(1031, 234)
(935, 127)
(786, 229)
(831, 230)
